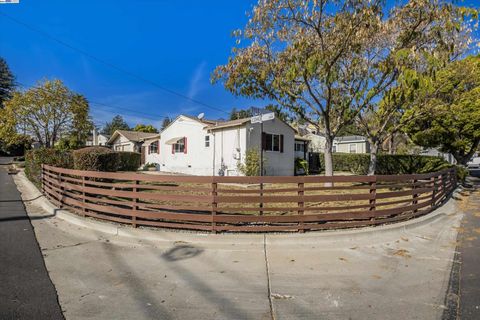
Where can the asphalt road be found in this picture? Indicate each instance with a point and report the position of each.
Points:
(26, 291)
(469, 252)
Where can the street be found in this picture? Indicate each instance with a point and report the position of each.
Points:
(26, 291)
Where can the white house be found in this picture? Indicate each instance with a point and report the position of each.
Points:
(351, 144)
(123, 140)
(202, 147)
(97, 139)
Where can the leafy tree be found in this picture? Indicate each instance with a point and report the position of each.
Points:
(321, 60)
(47, 112)
(117, 123)
(7, 82)
(145, 128)
(279, 113)
(241, 114)
(166, 122)
(450, 104)
(251, 165)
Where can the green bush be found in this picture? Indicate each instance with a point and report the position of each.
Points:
(35, 158)
(104, 159)
(301, 166)
(128, 161)
(357, 163)
(251, 166)
(462, 173)
(95, 159)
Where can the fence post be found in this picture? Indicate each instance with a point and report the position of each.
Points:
(301, 204)
(434, 189)
(61, 190)
(214, 206)
(444, 185)
(43, 179)
(83, 196)
(261, 198)
(415, 195)
(373, 191)
(134, 205)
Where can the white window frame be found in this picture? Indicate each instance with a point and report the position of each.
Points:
(153, 147)
(207, 141)
(179, 147)
(299, 147)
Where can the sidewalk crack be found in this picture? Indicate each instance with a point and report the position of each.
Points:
(267, 269)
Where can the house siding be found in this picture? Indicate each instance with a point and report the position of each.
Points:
(123, 144)
(276, 163)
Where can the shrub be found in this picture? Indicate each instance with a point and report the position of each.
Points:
(128, 161)
(35, 158)
(251, 166)
(95, 159)
(301, 166)
(357, 163)
(462, 173)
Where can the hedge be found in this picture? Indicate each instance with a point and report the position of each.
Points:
(357, 163)
(95, 159)
(104, 159)
(128, 161)
(35, 158)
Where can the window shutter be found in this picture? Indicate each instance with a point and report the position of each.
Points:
(173, 148)
(281, 143)
(264, 140)
(185, 145)
(158, 147)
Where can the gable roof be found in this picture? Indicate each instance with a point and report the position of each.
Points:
(228, 124)
(202, 121)
(133, 136)
(239, 122)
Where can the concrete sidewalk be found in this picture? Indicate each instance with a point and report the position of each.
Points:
(394, 272)
(26, 291)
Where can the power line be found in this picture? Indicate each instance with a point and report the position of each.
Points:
(129, 73)
(148, 115)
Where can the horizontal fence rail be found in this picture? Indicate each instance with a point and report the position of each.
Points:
(247, 204)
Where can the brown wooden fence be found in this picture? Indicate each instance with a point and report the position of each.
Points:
(256, 204)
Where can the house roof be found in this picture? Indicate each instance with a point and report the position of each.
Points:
(133, 136)
(228, 124)
(302, 138)
(238, 122)
(345, 139)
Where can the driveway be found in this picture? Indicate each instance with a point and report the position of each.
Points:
(392, 272)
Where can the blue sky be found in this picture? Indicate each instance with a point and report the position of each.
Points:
(175, 44)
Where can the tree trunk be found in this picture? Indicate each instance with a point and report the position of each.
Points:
(391, 144)
(372, 166)
(328, 156)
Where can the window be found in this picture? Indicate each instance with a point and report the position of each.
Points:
(353, 148)
(207, 141)
(153, 147)
(299, 146)
(272, 142)
(179, 147)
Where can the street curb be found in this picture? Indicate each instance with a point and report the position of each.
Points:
(447, 209)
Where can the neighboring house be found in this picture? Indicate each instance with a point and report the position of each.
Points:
(301, 146)
(437, 153)
(203, 147)
(97, 139)
(123, 140)
(351, 144)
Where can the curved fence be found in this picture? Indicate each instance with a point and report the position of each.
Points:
(255, 204)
